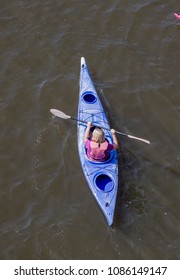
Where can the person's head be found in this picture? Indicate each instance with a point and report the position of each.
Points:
(98, 135)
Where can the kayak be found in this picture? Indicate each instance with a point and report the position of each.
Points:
(177, 15)
(102, 177)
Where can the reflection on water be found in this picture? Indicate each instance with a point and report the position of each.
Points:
(36, 162)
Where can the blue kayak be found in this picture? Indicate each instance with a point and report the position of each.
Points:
(102, 177)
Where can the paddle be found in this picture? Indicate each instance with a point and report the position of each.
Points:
(62, 115)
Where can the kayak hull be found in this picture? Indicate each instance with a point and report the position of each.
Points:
(102, 177)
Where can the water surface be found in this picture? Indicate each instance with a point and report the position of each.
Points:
(132, 50)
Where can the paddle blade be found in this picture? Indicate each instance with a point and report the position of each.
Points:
(59, 114)
(140, 139)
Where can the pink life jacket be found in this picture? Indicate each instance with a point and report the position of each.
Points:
(96, 152)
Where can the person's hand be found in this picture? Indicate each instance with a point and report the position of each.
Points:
(89, 124)
(113, 131)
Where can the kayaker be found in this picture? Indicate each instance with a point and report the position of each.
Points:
(96, 145)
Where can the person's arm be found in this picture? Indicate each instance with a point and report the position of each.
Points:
(87, 132)
(115, 141)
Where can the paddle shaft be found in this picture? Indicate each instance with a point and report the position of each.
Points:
(62, 115)
(106, 128)
(118, 132)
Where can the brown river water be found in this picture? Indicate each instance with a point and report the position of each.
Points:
(132, 50)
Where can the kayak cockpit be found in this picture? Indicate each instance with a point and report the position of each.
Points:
(89, 97)
(104, 182)
(108, 159)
